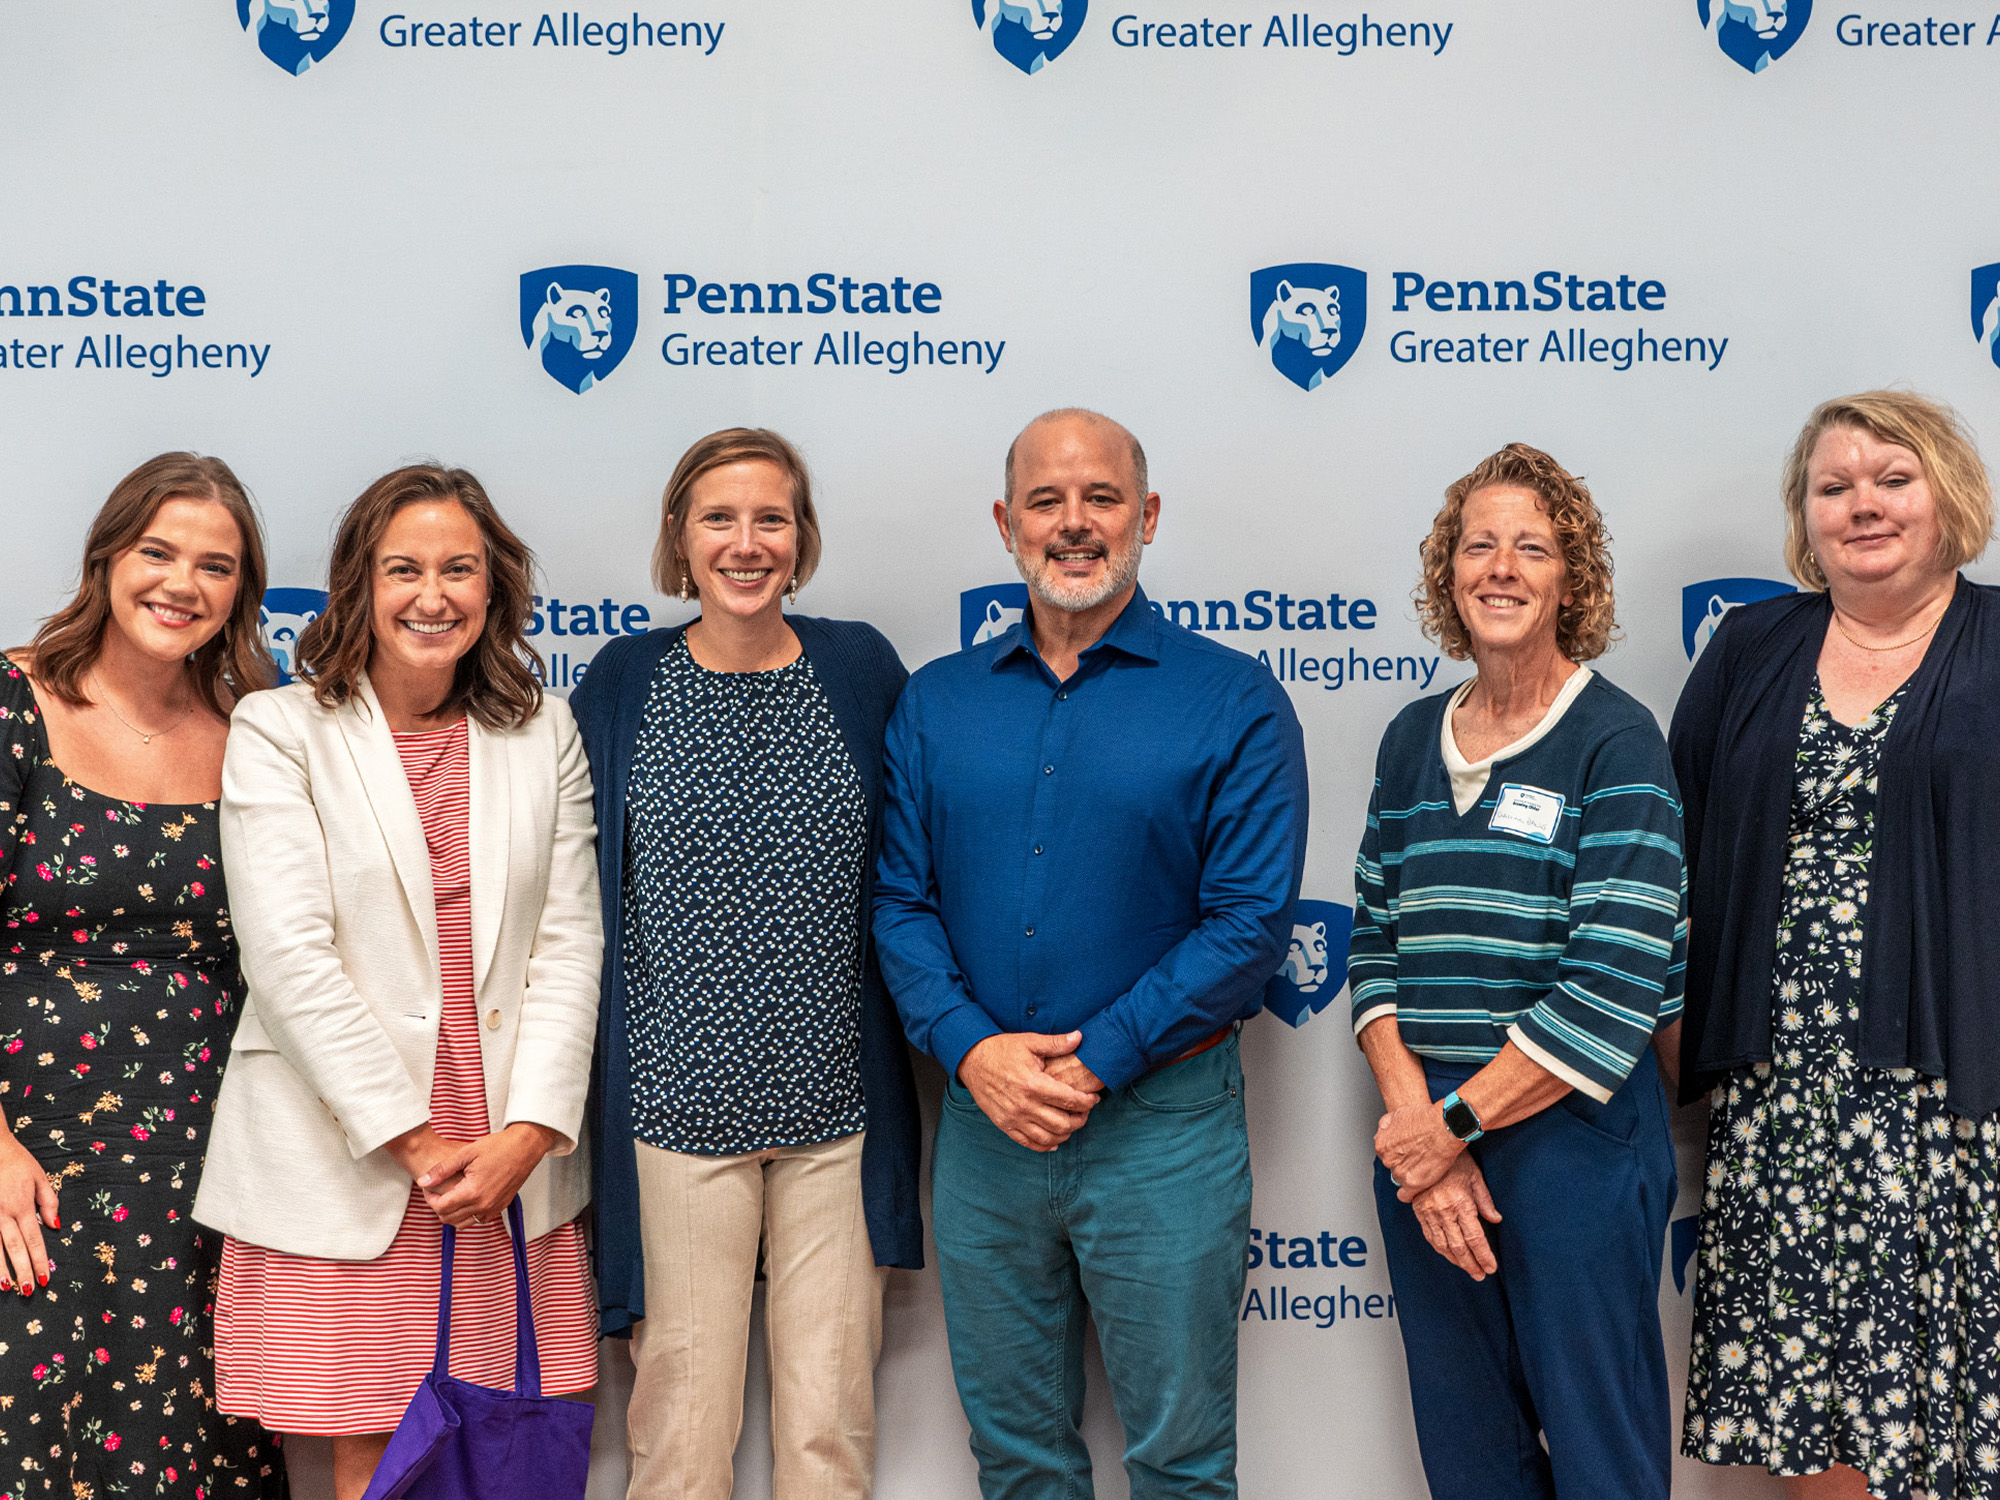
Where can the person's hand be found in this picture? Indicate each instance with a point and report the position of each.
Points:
(1449, 1212)
(1415, 1146)
(415, 1150)
(1070, 1069)
(474, 1182)
(27, 1202)
(1011, 1082)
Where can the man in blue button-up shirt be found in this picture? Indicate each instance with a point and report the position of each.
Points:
(1094, 831)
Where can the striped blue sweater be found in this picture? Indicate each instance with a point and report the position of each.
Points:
(1572, 946)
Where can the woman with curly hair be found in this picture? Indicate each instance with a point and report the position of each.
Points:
(1836, 749)
(1517, 941)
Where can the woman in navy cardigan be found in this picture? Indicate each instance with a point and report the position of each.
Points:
(752, 1087)
(1834, 750)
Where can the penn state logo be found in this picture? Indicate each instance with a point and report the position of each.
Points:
(1030, 34)
(581, 320)
(1308, 318)
(285, 614)
(1704, 604)
(1754, 33)
(1315, 966)
(295, 34)
(1986, 308)
(989, 613)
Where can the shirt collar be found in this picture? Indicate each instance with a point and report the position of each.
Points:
(1135, 633)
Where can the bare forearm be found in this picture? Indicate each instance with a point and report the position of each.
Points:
(1510, 1089)
(1399, 1072)
(1667, 1049)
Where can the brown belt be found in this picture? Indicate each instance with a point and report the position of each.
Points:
(1214, 1039)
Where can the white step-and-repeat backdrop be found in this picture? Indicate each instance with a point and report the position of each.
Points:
(1320, 261)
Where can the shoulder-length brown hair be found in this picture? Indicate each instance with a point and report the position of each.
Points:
(493, 682)
(1585, 625)
(733, 445)
(230, 663)
(1960, 489)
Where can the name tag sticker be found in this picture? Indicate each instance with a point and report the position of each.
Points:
(1528, 811)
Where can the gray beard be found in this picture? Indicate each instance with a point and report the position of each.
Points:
(1122, 572)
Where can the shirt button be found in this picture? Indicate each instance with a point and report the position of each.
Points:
(1063, 696)
(1038, 848)
(1048, 770)
(493, 1020)
(1031, 1010)
(1031, 932)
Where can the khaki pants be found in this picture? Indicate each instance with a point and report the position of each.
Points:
(701, 1219)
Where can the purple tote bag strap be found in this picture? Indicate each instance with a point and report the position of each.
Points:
(527, 1361)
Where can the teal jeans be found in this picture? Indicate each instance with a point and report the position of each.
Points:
(1140, 1221)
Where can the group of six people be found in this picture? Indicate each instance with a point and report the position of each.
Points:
(649, 961)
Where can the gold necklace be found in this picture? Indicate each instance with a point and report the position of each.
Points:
(1900, 644)
(144, 737)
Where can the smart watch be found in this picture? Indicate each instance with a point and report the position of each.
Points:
(1461, 1119)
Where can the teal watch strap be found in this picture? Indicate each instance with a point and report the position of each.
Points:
(1461, 1119)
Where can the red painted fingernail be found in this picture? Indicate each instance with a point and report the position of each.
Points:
(44, 1279)
(55, 1221)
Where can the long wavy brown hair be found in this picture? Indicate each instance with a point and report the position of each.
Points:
(230, 663)
(1585, 626)
(498, 681)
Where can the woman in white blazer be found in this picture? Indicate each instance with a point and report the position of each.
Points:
(409, 843)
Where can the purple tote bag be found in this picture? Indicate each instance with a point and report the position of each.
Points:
(460, 1441)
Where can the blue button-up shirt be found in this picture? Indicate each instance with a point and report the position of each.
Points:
(1118, 853)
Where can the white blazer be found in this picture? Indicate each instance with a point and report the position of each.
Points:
(329, 883)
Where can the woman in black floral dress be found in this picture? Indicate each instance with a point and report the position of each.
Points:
(1847, 1297)
(118, 995)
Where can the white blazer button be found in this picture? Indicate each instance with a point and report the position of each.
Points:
(493, 1020)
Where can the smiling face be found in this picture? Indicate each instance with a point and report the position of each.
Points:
(1869, 514)
(1076, 522)
(1509, 582)
(174, 588)
(741, 537)
(430, 589)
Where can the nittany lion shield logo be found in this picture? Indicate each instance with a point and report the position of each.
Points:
(1309, 318)
(1030, 34)
(1754, 33)
(1704, 604)
(580, 319)
(1315, 967)
(989, 613)
(285, 614)
(1986, 308)
(295, 34)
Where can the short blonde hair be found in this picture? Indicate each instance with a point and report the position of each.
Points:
(732, 445)
(1585, 626)
(1944, 447)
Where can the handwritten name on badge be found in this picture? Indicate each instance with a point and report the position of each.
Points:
(1528, 811)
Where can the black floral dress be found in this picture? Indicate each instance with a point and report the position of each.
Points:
(118, 994)
(1847, 1297)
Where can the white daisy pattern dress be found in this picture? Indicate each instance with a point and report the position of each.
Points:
(1847, 1297)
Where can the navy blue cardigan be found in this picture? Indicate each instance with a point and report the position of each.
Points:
(863, 678)
(1930, 947)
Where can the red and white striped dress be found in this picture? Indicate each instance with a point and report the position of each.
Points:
(335, 1346)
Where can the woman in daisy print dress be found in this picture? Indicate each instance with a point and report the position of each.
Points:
(1847, 1297)
(118, 992)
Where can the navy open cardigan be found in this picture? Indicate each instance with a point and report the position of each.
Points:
(862, 677)
(1930, 947)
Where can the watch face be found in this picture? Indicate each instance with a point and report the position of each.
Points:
(1460, 1120)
